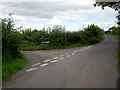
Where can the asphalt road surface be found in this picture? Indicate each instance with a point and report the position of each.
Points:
(82, 67)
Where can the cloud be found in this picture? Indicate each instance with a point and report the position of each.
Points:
(71, 13)
(42, 9)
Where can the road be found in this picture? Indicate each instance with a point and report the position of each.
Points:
(82, 67)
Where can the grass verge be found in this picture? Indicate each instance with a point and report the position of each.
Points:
(13, 65)
(31, 47)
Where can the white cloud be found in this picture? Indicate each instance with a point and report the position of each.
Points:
(65, 12)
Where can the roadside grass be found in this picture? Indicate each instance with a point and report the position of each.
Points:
(30, 47)
(13, 65)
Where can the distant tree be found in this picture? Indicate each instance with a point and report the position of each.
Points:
(114, 30)
(94, 34)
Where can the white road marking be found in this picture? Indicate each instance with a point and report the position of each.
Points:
(62, 55)
(77, 50)
(31, 69)
(82, 50)
(86, 48)
(35, 64)
(44, 64)
(47, 60)
(62, 58)
(53, 61)
(67, 55)
(55, 57)
(73, 53)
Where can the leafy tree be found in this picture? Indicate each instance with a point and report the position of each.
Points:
(114, 30)
(57, 35)
(94, 34)
(10, 38)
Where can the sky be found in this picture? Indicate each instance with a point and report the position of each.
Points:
(73, 14)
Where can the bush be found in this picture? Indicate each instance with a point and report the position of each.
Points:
(59, 38)
(12, 59)
(94, 34)
(10, 38)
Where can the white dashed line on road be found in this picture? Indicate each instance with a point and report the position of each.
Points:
(62, 55)
(86, 48)
(77, 50)
(73, 53)
(67, 55)
(35, 64)
(81, 50)
(55, 57)
(62, 58)
(47, 60)
(44, 64)
(31, 69)
(53, 61)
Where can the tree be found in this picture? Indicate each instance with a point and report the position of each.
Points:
(94, 34)
(10, 38)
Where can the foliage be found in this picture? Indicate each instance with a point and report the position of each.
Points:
(114, 31)
(59, 38)
(94, 34)
(12, 59)
(10, 38)
(114, 5)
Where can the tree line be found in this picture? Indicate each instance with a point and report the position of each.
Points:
(58, 36)
(115, 30)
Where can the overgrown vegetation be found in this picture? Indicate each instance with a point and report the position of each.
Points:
(57, 38)
(12, 59)
(13, 65)
(115, 31)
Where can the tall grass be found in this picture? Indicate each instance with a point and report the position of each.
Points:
(13, 65)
